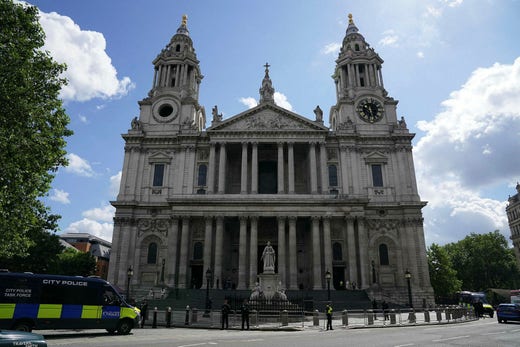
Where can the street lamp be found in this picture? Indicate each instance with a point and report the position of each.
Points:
(328, 277)
(208, 280)
(129, 274)
(408, 276)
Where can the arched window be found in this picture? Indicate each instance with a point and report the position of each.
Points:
(203, 169)
(152, 253)
(356, 47)
(333, 176)
(198, 250)
(383, 255)
(178, 48)
(337, 252)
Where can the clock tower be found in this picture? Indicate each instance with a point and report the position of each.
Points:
(362, 101)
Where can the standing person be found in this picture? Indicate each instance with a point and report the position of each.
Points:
(384, 306)
(225, 314)
(245, 314)
(374, 308)
(328, 311)
(144, 312)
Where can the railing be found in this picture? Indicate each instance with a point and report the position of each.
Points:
(302, 319)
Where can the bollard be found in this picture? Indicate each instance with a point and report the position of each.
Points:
(344, 317)
(284, 318)
(439, 315)
(448, 314)
(187, 318)
(316, 318)
(194, 315)
(411, 317)
(168, 317)
(254, 318)
(392, 316)
(154, 320)
(370, 316)
(427, 316)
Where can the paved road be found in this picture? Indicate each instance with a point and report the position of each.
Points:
(485, 333)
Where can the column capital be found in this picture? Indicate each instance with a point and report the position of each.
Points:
(281, 218)
(243, 218)
(292, 218)
(280, 143)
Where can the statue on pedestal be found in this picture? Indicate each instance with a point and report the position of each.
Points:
(268, 257)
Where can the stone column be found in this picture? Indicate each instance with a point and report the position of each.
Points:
(254, 169)
(327, 245)
(242, 254)
(222, 170)
(363, 254)
(243, 179)
(316, 255)
(183, 261)
(351, 247)
(114, 269)
(312, 167)
(171, 259)
(324, 169)
(124, 257)
(344, 170)
(219, 241)
(207, 246)
(281, 250)
(211, 169)
(281, 187)
(290, 166)
(253, 252)
(293, 248)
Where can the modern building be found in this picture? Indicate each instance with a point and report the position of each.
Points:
(338, 199)
(513, 217)
(99, 248)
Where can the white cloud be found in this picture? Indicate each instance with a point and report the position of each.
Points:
(60, 196)
(103, 214)
(331, 48)
(281, 100)
(90, 72)
(115, 182)
(102, 230)
(250, 102)
(471, 146)
(79, 166)
(420, 55)
(390, 38)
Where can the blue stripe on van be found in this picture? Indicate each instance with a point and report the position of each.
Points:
(71, 311)
(26, 311)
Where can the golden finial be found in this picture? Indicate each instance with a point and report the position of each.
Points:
(184, 19)
(350, 20)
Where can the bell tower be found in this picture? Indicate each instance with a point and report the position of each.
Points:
(362, 101)
(173, 102)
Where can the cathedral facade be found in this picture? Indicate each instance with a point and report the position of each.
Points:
(337, 201)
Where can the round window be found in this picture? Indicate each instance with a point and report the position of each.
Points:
(165, 110)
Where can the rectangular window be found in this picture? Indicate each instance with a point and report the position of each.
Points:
(158, 175)
(377, 175)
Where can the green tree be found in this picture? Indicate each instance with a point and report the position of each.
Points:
(442, 274)
(75, 263)
(33, 127)
(484, 261)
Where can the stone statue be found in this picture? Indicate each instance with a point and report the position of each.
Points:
(268, 257)
(136, 124)
(319, 114)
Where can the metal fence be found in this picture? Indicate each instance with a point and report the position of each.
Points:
(309, 319)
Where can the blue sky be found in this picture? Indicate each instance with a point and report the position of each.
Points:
(454, 66)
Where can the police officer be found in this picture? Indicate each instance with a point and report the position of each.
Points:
(245, 314)
(328, 311)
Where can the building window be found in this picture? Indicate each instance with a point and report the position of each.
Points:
(337, 252)
(158, 175)
(203, 169)
(198, 250)
(333, 176)
(377, 175)
(152, 253)
(383, 255)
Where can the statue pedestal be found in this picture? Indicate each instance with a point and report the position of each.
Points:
(269, 284)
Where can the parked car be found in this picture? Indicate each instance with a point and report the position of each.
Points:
(20, 338)
(507, 312)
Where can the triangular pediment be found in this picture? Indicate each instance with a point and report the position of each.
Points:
(267, 117)
(159, 157)
(376, 157)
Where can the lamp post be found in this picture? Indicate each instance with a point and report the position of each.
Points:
(328, 277)
(208, 304)
(408, 276)
(129, 274)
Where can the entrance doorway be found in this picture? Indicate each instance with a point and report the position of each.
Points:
(196, 276)
(338, 274)
(267, 177)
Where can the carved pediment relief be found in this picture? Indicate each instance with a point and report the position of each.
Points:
(267, 118)
(376, 158)
(159, 157)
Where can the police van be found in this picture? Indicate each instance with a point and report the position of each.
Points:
(36, 301)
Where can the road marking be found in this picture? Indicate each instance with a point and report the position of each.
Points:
(451, 338)
(194, 344)
(495, 333)
(408, 344)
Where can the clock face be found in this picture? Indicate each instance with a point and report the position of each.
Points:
(370, 110)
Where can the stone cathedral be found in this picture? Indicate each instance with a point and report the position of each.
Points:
(339, 199)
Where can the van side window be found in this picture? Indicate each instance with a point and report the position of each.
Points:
(110, 298)
(52, 294)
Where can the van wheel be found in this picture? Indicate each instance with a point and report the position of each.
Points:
(124, 327)
(491, 314)
(23, 326)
